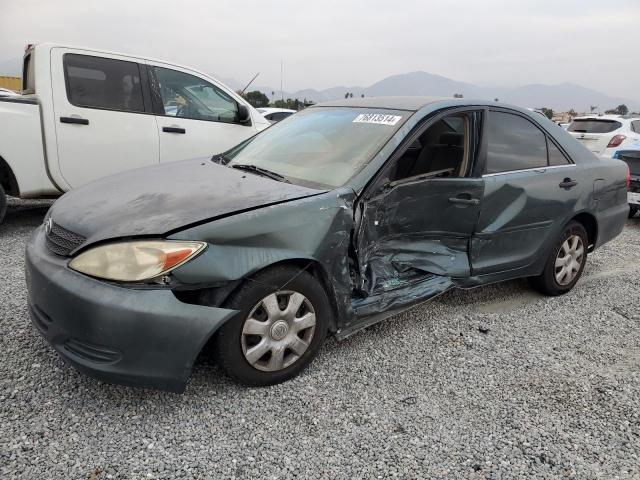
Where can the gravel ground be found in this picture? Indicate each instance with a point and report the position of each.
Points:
(497, 382)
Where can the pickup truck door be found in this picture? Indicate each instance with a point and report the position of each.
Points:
(103, 115)
(195, 116)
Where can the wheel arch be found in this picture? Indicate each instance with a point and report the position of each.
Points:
(590, 224)
(8, 179)
(218, 296)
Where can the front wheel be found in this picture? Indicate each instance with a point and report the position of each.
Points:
(565, 263)
(282, 322)
(632, 211)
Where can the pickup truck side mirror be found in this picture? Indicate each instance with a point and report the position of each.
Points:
(243, 116)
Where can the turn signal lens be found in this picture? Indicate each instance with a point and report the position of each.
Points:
(135, 261)
(628, 179)
(616, 141)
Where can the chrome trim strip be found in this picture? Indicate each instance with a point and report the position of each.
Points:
(537, 169)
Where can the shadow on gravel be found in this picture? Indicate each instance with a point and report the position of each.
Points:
(24, 213)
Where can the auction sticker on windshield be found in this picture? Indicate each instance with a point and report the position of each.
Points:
(378, 118)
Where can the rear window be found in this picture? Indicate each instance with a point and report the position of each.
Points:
(28, 79)
(594, 126)
(514, 143)
(106, 83)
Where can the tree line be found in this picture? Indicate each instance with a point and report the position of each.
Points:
(257, 99)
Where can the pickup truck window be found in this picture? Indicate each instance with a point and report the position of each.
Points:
(106, 83)
(188, 96)
(28, 80)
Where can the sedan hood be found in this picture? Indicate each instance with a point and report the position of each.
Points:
(163, 198)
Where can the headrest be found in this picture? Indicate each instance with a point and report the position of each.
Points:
(452, 138)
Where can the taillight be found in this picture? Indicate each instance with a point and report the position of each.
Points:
(628, 179)
(616, 140)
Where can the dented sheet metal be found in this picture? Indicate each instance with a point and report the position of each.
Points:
(315, 230)
(412, 231)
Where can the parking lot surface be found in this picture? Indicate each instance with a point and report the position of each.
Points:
(495, 382)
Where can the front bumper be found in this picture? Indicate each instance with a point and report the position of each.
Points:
(139, 337)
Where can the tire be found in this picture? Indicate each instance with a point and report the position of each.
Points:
(3, 203)
(632, 211)
(548, 282)
(240, 341)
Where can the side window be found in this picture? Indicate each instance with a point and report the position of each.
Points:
(188, 96)
(514, 143)
(635, 126)
(442, 150)
(97, 82)
(556, 157)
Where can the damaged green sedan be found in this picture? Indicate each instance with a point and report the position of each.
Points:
(327, 222)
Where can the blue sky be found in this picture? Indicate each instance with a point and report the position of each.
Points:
(330, 43)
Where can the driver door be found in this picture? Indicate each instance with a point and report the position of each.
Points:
(417, 221)
(195, 117)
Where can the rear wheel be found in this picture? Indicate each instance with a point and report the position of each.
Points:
(565, 263)
(283, 321)
(632, 211)
(3, 203)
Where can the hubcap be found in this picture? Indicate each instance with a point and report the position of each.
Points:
(278, 330)
(569, 260)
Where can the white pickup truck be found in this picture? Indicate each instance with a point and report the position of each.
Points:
(85, 114)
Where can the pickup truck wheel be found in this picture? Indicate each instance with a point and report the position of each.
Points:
(283, 321)
(565, 263)
(3, 203)
(632, 211)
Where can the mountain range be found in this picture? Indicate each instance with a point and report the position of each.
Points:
(559, 97)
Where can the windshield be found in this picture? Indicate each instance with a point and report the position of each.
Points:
(321, 145)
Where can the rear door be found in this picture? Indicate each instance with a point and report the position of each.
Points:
(416, 221)
(195, 117)
(103, 115)
(530, 189)
(594, 133)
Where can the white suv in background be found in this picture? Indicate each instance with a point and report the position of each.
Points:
(605, 134)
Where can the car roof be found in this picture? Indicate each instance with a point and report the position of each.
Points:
(90, 51)
(390, 103)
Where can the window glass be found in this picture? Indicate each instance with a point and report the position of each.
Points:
(440, 151)
(188, 96)
(28, 80)
(103, 83)
(635, 125)
(591, 125)
(556, 157)
(320, 145)
(514, 143)
(277, 116)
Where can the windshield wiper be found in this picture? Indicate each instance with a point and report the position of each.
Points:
(261, 171)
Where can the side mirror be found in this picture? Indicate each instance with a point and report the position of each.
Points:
(243, 116)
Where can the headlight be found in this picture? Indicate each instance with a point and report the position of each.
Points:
(137, 260)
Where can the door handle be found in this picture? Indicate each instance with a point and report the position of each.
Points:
(76, 120)
(464, 201)
(173, 130)
(567, 183)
